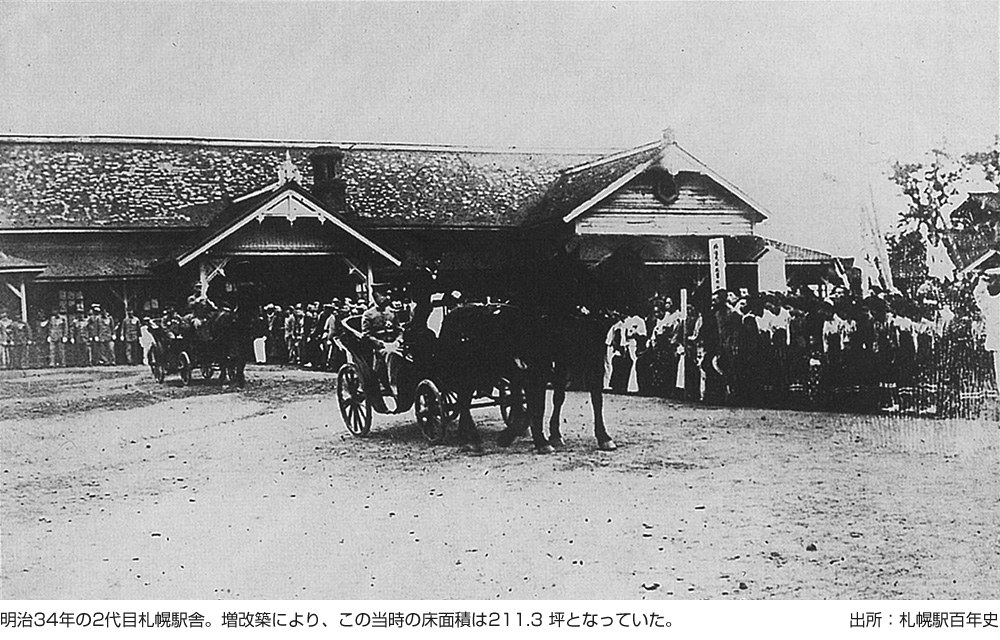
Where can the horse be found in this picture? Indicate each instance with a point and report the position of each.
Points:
(230, 336)
(551, 331)
(554, 348)
(479, 346)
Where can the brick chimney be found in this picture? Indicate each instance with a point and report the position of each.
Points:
(328, 185)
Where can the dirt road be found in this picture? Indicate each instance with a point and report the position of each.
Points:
(116, 487)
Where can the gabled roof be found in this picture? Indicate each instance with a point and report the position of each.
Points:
(981, 212)
(676, 158)
(121, 183)
(982, 262)
(290, 201)
(578, 188)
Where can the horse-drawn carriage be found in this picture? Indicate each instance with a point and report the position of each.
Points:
(209, 345)
(428, 374)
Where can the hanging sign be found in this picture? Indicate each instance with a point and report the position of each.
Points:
(717, 263)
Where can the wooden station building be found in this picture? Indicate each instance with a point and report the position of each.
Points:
(148, 222)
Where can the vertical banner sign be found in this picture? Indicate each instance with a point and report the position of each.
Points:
(717, 263)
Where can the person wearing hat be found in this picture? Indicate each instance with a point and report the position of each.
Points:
(57, 335)
(19, 337)
(309, 344)
(275, 335)
(5, 323)
(89, 334)
(987, 297)
(106, 337)
(291, 330)
(333, 354)
(378, 324)
(128, 333)
(100, 336)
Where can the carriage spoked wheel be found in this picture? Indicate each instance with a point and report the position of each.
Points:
(184, 366)
(430, 410)
(354, 406)
(159, 372)
(450, 400)
(511, 401)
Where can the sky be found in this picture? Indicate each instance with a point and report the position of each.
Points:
(802, 104)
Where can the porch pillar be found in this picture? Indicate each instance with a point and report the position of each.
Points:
(207, 271)
(370, 280)
(24, 302)
(21, 292)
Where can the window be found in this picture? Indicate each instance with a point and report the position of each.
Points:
(70, 301)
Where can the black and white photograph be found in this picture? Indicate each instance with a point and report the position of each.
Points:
(501, 302)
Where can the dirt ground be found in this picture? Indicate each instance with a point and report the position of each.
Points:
(116, 487)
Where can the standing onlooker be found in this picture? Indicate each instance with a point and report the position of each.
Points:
(146, 338)
(635, 342)
(5, 323)
(102, 336)
(19, 340)
(987, 296)
(77, 353)
(57, 334)
(291, 341)
(90, 334)
(128, 333)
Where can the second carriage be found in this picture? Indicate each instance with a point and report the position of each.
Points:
(214, 347)
(423, 380)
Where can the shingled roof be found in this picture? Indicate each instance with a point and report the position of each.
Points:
(981, 214)
(12, 264)
(140, 183)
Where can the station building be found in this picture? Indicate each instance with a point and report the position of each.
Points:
(147, 222)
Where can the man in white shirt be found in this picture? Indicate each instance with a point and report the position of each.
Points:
(987, 296)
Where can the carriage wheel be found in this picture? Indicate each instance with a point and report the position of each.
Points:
(184, 364)
(429, 407)
(159, 373)
(207, 371)
(354, 406)
(450, 402)
(511, 401)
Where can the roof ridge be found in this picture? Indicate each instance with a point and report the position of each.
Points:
(254, 142)
(612, 157)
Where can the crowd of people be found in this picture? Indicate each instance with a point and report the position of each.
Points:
(61, 339)
(306, 333)
(935, 352)
(931, 353)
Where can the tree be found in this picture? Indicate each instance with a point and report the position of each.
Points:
(931, 189)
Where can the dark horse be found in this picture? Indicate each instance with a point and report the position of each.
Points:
(553, 331)
(563, 346)
(230, 336)
(480, 347)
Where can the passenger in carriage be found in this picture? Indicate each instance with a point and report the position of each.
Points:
(201, 311)
(378, 324)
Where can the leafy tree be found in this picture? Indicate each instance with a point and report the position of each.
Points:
(929, 188)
